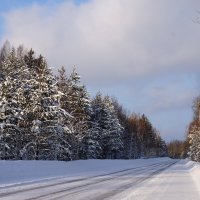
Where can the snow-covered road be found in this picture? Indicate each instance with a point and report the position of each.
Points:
(146, 179)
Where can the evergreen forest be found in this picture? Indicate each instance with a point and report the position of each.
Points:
(52, 117)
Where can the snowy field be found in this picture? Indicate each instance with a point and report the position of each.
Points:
(160, 178)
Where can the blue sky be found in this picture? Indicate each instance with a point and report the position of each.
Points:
(146, 53)
(15, 4)
(8, 5)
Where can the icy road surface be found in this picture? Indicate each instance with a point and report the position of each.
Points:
(152, 179)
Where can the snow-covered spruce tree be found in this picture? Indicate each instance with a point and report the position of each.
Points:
(47, 136)
(110, 130)
(5, 50)
(194, 140)
(76, 101)
(31, 118)
(131, 139)
(114, 130)
(194, 132)
(11, 110)
(79, 104)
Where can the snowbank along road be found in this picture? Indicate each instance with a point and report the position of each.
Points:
(157, 179)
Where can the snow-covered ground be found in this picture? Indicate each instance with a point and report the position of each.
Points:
(159, 178)
(16, 172)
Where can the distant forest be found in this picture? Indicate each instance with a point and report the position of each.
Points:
(48, 117)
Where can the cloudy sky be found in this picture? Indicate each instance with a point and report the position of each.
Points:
(144, 52)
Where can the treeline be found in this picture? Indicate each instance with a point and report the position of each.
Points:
(47, 117)
(178, 149)
(191, 146)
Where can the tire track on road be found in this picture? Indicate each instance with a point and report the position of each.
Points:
(79, 189)
(46, 185)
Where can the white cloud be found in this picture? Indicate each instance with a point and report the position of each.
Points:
(127, 38)
(116, 41)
